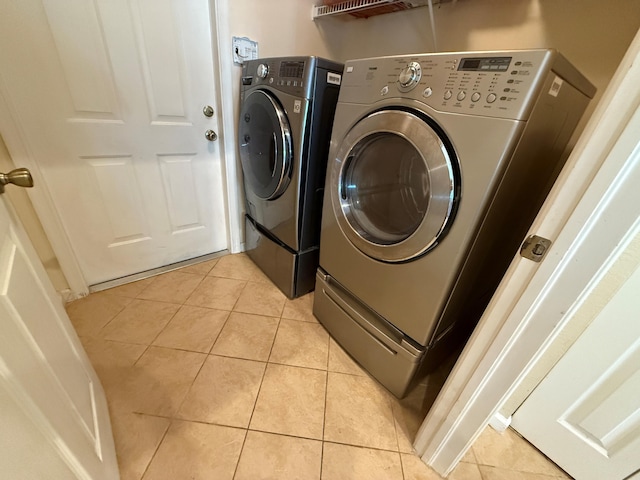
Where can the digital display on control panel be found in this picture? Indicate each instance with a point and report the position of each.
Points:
(493, 64)
(292, 69)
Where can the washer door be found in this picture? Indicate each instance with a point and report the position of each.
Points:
(266, 151)
(395, 185)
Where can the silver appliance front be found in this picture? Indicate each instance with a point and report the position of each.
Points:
(501, 120)
(266, 149)
(284, 127)
(412, 294)
(292, 272)
(378, 345)
(269, 138)
(397, 187)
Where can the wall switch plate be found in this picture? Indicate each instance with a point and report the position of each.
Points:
(244, 49)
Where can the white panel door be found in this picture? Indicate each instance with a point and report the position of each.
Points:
(585, 415)
(109, 96)
(53, 412)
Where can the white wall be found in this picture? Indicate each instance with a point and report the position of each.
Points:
(281, 28)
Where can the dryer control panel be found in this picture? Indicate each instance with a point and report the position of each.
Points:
(495, 84)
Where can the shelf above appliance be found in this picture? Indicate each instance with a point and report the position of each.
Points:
(367, 8)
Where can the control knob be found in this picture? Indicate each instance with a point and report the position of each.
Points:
(409, 77)
(262, 71)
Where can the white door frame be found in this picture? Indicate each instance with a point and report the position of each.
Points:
(227, 103)
(41, 198)
(532, 304)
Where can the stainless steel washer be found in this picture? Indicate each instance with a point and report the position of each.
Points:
(284, 130)
(438, 165)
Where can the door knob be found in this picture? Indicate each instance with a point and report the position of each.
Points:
(208, 111)
(211, 135)
(20, 177)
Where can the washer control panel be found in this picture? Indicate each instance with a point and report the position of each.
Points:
(496, 84)
(291, 76)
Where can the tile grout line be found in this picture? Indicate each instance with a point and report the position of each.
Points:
(365, 447)
(267, 432)
(244, 442)
(477, 463)
(255, 402)
(184, 398)
(224, 324)
(155, 452)
(395, 429)
(206, 355)
(137, 297)
(173, 417)
(482, 477)
(264, 373)
(246, 282)
(288, 435)
(326, 394)
(111, 319)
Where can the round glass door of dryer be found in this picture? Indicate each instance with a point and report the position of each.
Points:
(395, 185)
(265, 143)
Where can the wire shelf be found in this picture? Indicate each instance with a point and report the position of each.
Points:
(366, 8)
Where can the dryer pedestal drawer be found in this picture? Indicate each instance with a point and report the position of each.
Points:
(292, 272)
(380, 349)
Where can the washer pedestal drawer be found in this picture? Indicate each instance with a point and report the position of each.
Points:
(292, 272)
(388, 355)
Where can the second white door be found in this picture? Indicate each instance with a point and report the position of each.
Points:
(109, 97)
(53, 410)
(585, 415)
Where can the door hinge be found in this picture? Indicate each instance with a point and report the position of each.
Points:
(535, 247)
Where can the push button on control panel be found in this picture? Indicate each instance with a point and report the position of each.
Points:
(427, 92)
(491, 98)
(448, 94)
(461, 95)
(475, 97)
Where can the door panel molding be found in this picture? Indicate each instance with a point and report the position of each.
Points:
(90, 90)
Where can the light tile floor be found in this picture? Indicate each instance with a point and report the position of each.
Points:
(212, 373)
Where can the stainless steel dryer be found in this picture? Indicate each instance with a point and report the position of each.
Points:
(284, 131)
(438, 165)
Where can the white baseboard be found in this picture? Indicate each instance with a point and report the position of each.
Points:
(67, 296)
(500, 423)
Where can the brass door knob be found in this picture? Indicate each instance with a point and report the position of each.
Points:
(20, 177)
